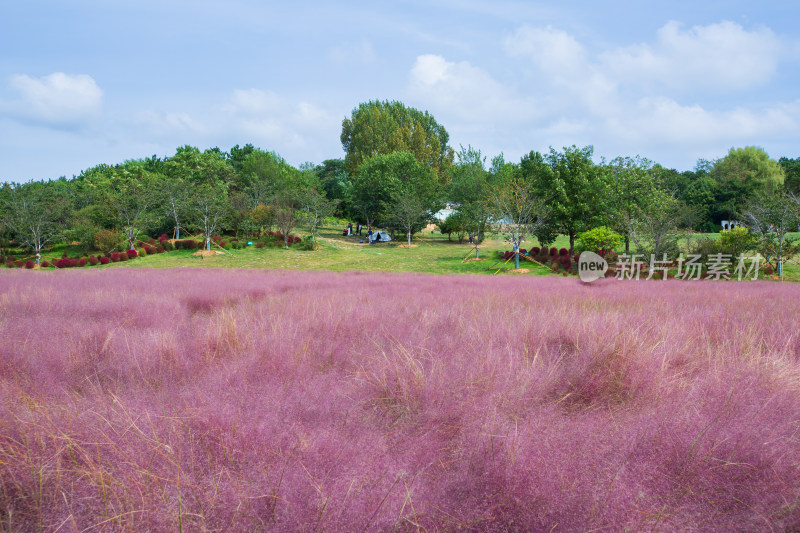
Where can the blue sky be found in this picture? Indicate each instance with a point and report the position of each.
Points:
(90, 81)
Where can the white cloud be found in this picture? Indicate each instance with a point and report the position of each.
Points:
(553, 51)
(278, 123)
(58, 99)
(168, 124)
(465, 93)
(718, 57)
(358, 53)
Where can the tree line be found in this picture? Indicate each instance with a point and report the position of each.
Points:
(398, 171)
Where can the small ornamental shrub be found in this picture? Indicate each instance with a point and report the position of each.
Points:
(168, 246)
(553, 251)
(259, 244)
(115, 257)
(108, 240)
(160, 249)
(45, 264)
(163, 237)
(64, 263)
(123, 256)
(599, 238)
(10, 264)
(82, 262)
(535, 250)
(20, 263)
(104, 260)
(132, 254)
(93, 260)
(29, 264)
(563, 251)
(149, 250)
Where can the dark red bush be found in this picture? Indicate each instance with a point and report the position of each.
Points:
(20, 263)
(93, 260)
(64, 262)
(115, 257)
(259, 245)
(535, 250)
(29, 264)
(553, 251)
(82, 262)
(160, 249)
(104, 261)
(563, 251)
(45, 264)
(132, 254)
(10, 264)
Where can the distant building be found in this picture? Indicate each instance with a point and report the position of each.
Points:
(730, 224)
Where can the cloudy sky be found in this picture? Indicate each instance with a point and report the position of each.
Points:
(90, 81)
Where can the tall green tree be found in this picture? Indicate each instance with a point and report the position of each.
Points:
(628, 185)
(132, 196)
(380, 128)
(573, 190)
(383, 176)
(209, 208)
(740, 175)
(468, 190)
(771, 216)
(791, 169)
(34, 214)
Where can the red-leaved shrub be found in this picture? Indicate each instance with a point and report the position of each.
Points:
(104, 260)
(115, 257)
(563, 251)
(553, 251)
(29, 264)
(93, 260)
(132, 254)
(45, 264)
(123, 256)
(82, 262)
(10, 264)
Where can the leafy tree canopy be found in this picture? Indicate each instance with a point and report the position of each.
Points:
(379, 128)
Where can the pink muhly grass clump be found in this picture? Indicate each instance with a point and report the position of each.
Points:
(260, 400)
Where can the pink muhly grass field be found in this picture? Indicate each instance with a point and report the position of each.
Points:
(258, 400)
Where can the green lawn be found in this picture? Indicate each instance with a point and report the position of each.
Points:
(430, 253)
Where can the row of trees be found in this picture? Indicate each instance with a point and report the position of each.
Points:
(398, 171)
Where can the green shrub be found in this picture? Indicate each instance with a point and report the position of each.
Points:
(736, 241)
(108, 240)
(599, 238)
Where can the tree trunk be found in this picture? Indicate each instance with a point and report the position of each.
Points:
(409, 239)
(516, 255)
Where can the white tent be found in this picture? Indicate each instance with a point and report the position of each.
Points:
(384, 237)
